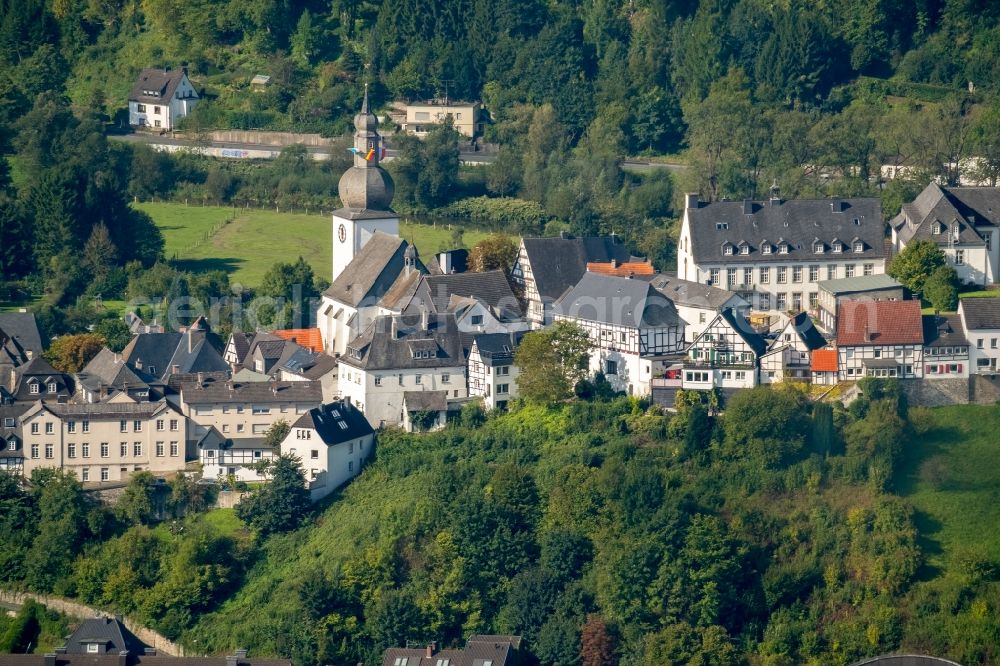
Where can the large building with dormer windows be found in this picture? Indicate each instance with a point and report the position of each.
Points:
(774, 253)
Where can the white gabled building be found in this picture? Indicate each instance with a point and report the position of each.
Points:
(333, 442)
(492, 373)
(632, 328)
(946, 350)
(775, 252)
(724, 356)
(789, 355)
(981, 321)
(697, 303)
(397, 354)
(880, 339)
(160, 98)
(963, 221)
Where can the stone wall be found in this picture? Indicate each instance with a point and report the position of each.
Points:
(937, 392)
(81, 612)
(986, 389)
(228, 499)
(279, 139)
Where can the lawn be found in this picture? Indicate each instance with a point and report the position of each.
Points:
(951, 476)
(200, 239)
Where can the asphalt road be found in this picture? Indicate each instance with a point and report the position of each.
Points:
(468, 157)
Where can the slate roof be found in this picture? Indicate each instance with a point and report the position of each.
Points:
(310, 338)
(39, 659)
(617, 300)
(248, 375)
(40, 370)
(111, 370)
(111, 635)
(214, 391)
(163, 351)
(944, 331)
(335, 422)
(498, 650)
(108, 410)
(22, 329)
(824, 360)
(969, 209)
(797, 222)
(859, 283)
(377, 349)
(490, 287)
(803, 325)
(742, 327)
(981, 313)
(497, 348)
(372, 271)
(425, 401)
(879, 323)
(558, 263)
(310, 365)
(241, 345)
(692, 294)
(161, 83)
(11, 431)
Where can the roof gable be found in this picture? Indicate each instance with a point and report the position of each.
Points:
(868, 322)
(980, 313)
(617, 300)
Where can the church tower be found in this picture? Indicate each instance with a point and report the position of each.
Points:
(366, 191)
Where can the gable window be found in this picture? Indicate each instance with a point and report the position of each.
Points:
(49, 428)
(34, 428)
(477, 320)
(12, 444)
(92, 648)
(173, 424)
(937, 229)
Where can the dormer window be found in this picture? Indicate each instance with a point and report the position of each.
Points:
(819, 247)
(765, 248)
(33, 388)
(937, 229)
(838, 247)
(783, 248)
(727, 250)
(52, 387)
(859, 246)
(93, 648)
(744, 248)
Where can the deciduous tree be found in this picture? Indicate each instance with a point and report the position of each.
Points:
(552, 361)
(915, 264)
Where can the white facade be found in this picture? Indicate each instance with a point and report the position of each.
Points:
(496, 384)
(349, 236)
(327, 467)
(219, 461)
(893, 360)
(168, 112)
(984, 344)
(720, 358)
(379, 394)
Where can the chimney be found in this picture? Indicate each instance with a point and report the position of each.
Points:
(691, 200)
(201, 379)
(232, 660)
(102, 390)
(174, 369)
(138, 363)
(430, 650)
(241, 653)
(424, 319)
(61, 650)
(123, 658)
(868, 333)
(190, 338)
(50, 659)
(392, 327)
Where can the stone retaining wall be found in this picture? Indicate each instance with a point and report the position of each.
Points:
(81, 611)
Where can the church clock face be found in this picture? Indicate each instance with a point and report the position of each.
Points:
(342, 233)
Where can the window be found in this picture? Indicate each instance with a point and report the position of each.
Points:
(869, 269)
(727, 250)
(225, 427)
(504, 370)
(210, 453)
(979, 343)
(70, 426)
(831, 272)
(477, 320)
(503, 389)
(342, 424)
(260, 410)
(49, 428)
(611, 367)
(993, 343)
(701, 317)
(714, 276)
(137, 449)
(731, 277)
(959, 257)
(818, 247)
(105, 475)
(443, 662)
(781, 301)
(721, 226)
(159, 425)
(859, 246)
(123, 426)
(240, 427)
(350, 466)
(748, 276)
(52, 387)
(765, 275)
(838, 247)
(782, 275)
(813, 299)
(173, 449)
(159, 449)
(34, 450)
(34, 428)
(401, 661)
(71, 450)
(418, 379)
(173, 425)
(85, 450)
(49, 451)
(783, 248)
(239, 409)
(744, 249)
(33, 388)
(765, 248)
(350, 447)
(765, 301)
(814, 273)
(314, 454)
(156, 111)
(796, 274)
(797, 301)
(877, 353)
(849, 270)
(137, 426)
(105, 450)
(86, 477)
(123, 449)
(378, 380)
(141, 108)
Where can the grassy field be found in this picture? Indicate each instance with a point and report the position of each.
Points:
(951, 475)
(201, 239)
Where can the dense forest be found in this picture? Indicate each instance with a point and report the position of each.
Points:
(767, 535)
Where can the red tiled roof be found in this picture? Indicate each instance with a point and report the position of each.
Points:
(879, 323)
(310, 338)
(622, 269)
(824, 360)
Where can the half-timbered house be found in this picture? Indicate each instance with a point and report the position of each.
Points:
(725, 355)
(880, 339)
